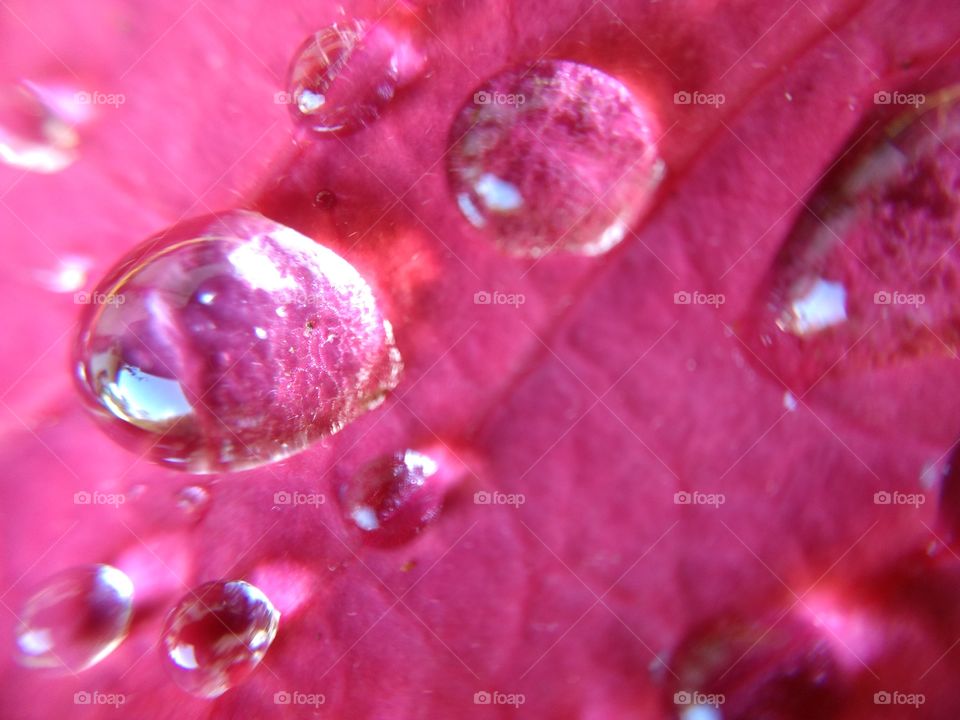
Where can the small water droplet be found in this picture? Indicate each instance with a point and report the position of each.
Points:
(193, 500)
(393, 498)
(789, 401)
(216, 636)
(194, 349)
(76, 618)
(344, 75)
(559, 156)
(68, 275)
(38, 126)
(869, 277)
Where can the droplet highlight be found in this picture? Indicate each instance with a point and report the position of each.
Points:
(344, 75)
(232, 341)
(556, 157)
(393, 498)
(217, 635)
(75, 619)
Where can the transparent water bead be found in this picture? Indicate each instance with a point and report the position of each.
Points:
(344, 75)
(393, 498)
(38, 124)
(217, 635)
(231, 341)
(75, 619)
(556, 157)
(867, 277)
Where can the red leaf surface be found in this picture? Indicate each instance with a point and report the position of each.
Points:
(598, 399)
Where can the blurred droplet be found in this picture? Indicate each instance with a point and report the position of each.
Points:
(76, 618)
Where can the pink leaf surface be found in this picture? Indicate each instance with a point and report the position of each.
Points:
(598, 399)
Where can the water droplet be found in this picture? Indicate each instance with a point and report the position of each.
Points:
(771, 667)
(344, 75)
(170, 359)
(869, 277)
(216, 635)
(193, 500)
(77, 618)
(393, 498)
(38, 126)
(560, 156)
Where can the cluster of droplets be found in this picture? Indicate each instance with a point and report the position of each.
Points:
(212, 639)
(232, 341)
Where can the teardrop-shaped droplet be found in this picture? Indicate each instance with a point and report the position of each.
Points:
(772, 666)
(869, 276)
(231, 341)
(38, 126)
(345, 74)
(393, 498)
(76, 618)
(559, 156)
(216, 635)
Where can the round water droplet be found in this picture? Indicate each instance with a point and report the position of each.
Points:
(216, 635)
(38, 126)
(770, 667)
(869, 277)
(393, 498)
(193, 500)
(193, 349)
(344, 75)
(559, 156)
(77, 618)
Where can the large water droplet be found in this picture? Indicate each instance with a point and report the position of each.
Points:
(37, 126)
(870, 276)
(231, 341)
(393, 498)
(344, 75)
(216, 635)
(559, 156)
(77, 618)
